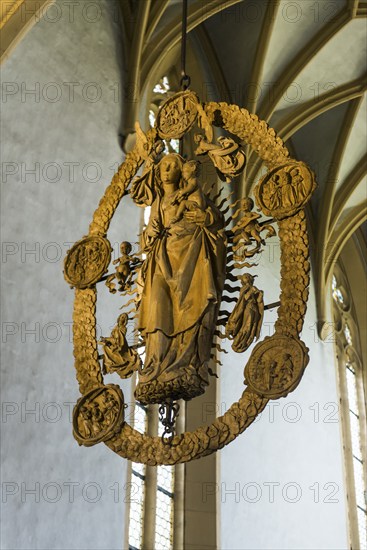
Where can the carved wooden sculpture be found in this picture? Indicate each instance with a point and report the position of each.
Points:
(244, 323)
(118, 356)
(179, 287)
(124, 270)
(182, 279)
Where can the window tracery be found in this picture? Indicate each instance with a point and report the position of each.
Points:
(350, 372)
(137, 492)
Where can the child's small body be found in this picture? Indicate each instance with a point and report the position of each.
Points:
(190, 196)
(123, 269)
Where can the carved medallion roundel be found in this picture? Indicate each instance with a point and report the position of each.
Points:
(285, 189)
(87, 261)
(98, 415)
(276, 366)
(177, 115)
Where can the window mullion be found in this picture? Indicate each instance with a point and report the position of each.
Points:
(149, 526)
(348, 458)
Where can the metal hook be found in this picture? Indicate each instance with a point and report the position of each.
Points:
(185, 82)
(168, 413)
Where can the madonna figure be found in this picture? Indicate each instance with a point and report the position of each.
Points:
(180, 282)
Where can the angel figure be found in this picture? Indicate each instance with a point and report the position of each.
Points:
(227, 156)
(244, 323)
(118, 356)
(148, 153)
(124, 270)
(247, 230)
(204, 123)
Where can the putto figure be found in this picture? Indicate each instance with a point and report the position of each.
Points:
(247, 238)
(181, 282)
(124, 270)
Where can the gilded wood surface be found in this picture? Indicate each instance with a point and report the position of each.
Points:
(277, 363)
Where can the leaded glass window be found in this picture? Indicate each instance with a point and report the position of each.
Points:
(137, 492)
(354, 424)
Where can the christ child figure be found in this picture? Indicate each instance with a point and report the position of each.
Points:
(190, 196)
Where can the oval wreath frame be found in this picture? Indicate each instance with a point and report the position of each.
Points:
(129, 443)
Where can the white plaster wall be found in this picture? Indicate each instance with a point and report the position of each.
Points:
(80, 494)
(281, 482)
(37, 369)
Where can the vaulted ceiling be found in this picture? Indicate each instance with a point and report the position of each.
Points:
(301, 66)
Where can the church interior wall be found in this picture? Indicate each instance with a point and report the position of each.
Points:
(279, 485)
(58, 155)
(283, 479)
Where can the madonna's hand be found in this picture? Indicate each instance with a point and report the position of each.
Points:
(196, 216)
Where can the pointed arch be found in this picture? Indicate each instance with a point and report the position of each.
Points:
(261, 50)
(326, 207)
(300, 61)
(350, 224)
(308, 111)
(347, 189)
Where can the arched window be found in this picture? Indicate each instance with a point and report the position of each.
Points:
(352, 401)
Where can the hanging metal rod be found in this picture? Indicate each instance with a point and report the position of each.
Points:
(185, 79)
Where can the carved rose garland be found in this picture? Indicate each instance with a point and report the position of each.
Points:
(178, 288)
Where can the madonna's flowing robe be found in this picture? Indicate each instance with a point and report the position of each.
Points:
(182, 280)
